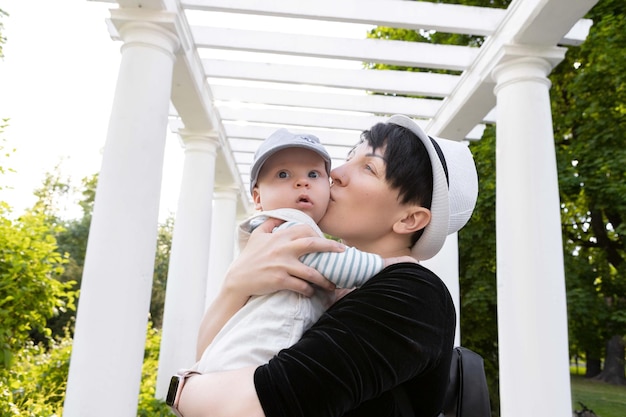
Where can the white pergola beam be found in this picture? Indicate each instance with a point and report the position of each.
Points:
(414, 15)
(330, 137)
(285, 116)
(546, 23)
(370, 103)
(393, 82)
(402, 14)
(401, 53)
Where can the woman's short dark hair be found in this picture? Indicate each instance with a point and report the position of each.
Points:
(408, 167)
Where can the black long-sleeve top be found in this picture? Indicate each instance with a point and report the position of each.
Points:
(397, 329)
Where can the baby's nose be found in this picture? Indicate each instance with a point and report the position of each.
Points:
(302, 182)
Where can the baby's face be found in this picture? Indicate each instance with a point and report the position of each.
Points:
(293, 178)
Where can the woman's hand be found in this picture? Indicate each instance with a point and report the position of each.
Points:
(270, 261)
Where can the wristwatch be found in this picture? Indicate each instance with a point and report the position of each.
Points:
(176, 388)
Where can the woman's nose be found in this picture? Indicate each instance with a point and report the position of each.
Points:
(337, 177)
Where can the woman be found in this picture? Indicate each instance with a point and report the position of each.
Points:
(383, 349)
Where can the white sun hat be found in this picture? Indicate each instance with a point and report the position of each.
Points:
(455, 188)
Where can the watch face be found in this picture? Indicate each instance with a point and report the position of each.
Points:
(171, 392)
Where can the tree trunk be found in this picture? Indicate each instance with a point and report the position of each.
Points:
(613, 371)
(594, 366)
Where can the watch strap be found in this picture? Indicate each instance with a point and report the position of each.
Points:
(177, 384)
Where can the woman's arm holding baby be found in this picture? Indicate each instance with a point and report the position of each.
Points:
(268, 263)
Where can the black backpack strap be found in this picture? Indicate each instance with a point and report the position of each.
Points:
(468, 393)
(473, 390)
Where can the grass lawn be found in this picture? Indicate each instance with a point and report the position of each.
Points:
(605, 400)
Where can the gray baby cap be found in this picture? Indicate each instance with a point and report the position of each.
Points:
(283, 139)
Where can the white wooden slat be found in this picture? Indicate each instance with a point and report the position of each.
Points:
(413, 107)
(415, 15)
(578, 33)
(317, 123)
(392, 82)
(245, 149)
(290, 116)
(449, 18)
(401, 53)
(333, 137)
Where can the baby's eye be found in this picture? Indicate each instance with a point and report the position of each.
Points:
(314, 174)
(283, 174)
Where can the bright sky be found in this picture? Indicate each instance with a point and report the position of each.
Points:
(57, 81)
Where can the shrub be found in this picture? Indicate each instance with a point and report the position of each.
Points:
(34, 386)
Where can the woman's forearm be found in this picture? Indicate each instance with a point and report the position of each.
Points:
(221, 394)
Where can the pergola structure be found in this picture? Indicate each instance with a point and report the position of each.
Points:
(224, 74)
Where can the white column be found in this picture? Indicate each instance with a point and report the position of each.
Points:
(532, 314)
(223, 229)
(446, 265)
(108, 350)
(186, 280)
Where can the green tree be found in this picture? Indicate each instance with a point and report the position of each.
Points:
(75, 234)
(5, 154)
(54, 197)
(30, 293)
(2, 38)
(477, 279)
(589, 112)
(161, 267)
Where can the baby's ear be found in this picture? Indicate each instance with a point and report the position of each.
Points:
(415, 219)
(256, 197)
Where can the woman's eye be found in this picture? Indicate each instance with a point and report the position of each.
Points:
(314, 174)
(283, 174)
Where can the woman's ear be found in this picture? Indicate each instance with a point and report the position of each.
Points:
(415, 219)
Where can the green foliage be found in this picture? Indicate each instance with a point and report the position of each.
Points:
(52, 190)
(3, 39)
(161, 267)
(35, 385)
(148, 405)
(29, 290)
(589, 113)
(477, 257)
(73, 237)
(4, 153)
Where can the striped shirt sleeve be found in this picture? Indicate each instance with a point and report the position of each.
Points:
(348, 269)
